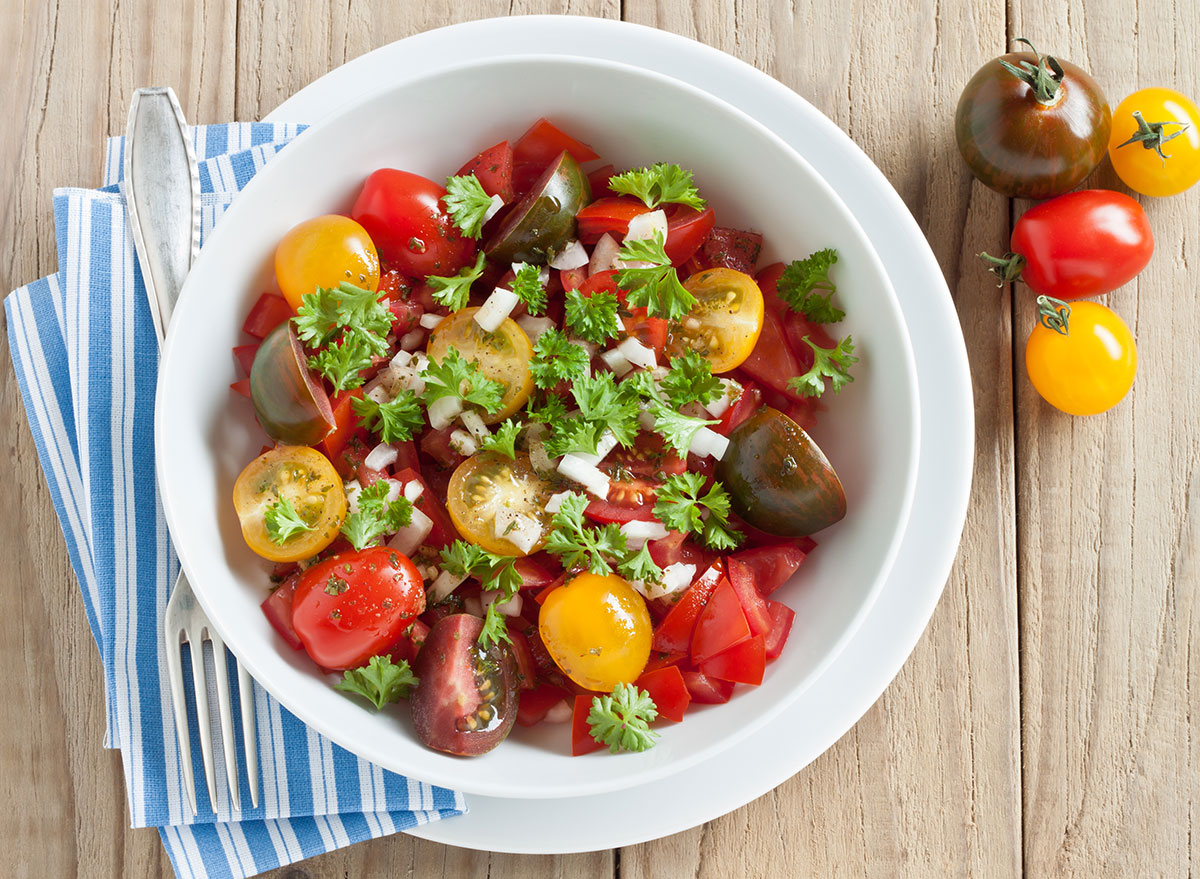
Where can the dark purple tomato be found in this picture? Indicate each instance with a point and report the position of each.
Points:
(466, 702)
(1031, 126)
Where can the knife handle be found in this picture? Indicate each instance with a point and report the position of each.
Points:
(162, 192)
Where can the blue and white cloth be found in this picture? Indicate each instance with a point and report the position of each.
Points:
(85, 354)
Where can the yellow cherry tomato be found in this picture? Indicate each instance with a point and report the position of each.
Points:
(1081, 358)
(1156, 151)
(491, 492)
(502, 356)
(324, 252)
(290, 503)
(597, 630)
(724, 323)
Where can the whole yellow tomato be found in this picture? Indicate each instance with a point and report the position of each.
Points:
(1081, 357)
(1155, 141)
(324, 252)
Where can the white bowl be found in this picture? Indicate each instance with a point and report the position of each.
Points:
(630, 116)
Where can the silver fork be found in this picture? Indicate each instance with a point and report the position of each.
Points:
(162, 191)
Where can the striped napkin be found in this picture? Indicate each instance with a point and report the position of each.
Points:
(85, 354)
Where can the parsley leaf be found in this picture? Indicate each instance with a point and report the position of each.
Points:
(463, 559)
(572, 434)
(467, 203)
(592, 317)
(800, 282)
(641, 566)
(494, 572)
(676, 428)
(527, 285)
(327, 310)
(602, 402)
(454, 291)
(622, 720)
(551, 409)
(556, 358)
(656, 288)
(395, 421)
(658, 184)
(504, 439)
(376, 516)
(832, 363)
(457, 377)
(574, 542)
(691, 381)
(495, 628)
(679, 508)
(342, 362)
(283, 522)
(380, 681)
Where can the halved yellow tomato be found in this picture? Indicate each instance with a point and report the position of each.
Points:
(324, 252)
(490, 492)
(298, 476)
(502, 356)
(724, 323)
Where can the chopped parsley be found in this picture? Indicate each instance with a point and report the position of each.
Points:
(680, 508)
(457, 377)
(803, 282)
(556, 359)
(656, 288)
(376, 515)
(455, 291)
(832, 363)
(659, 184)
(380, 681)
(495, 628)
(527, 286)
(594, 317)
(283, 522)
(504, 439)
(467, 204)
(622, 720)
(494, 572)
(602, 402)
(641, 566)
(395, 421)
(691, 381)
(342, 362)
(349, 325)
(579, 544)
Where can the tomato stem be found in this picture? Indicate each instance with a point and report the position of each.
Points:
(1007, 268)
(1150, 134)
(1053, 314)
(1045, 77)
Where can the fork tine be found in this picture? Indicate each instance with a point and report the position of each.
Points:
(249, 730)
(175, 676)
(200, 685)
(225, 712)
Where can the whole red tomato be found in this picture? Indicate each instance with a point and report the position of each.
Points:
(404, 215)
(1031, 126)
(1078, 245)
(356, 604)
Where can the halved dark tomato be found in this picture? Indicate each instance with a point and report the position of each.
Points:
(290, 403)
(544, 219)
(493, 168)
(490, 487)
(466, 701)
(668, 690)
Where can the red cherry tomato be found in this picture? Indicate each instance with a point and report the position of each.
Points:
(493, 168)
(350, 607)
(404, 215)
(1078, 245)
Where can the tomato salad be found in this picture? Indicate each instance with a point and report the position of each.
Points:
(539, 446)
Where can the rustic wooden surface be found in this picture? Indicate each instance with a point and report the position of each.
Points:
(1044, 724)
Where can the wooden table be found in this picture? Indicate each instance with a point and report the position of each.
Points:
(1045, 723)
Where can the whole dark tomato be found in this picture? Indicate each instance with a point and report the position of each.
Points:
(466, 701)
(350, 607)
(1078, 245)
(404, 215)
(1031, 126)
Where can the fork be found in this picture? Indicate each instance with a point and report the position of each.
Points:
(162, 191)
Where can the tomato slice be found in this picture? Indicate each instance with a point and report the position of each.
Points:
(535, 704)
(581, 733)
(345, 423)
(526, 670)
(501, 356)
(493, 168)
(245, 356)
(572, 279)
(782, 618)
(707, 690)
(610, 216)
(771, 566)
(742, 663)
(662, 660)
(687, 230)
(278, 610)
(733, 248)
(436, 445)
(725, 322)
(268, 312)
(749, 402)
(721, 624)
(443, 533)
(598, 179)
(241, 386)
(544, 142)
(741, 578)
(674, 633)
(668, 690)
(491, 492)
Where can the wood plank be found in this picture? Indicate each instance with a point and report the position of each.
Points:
(1110, 524)
(945, 732)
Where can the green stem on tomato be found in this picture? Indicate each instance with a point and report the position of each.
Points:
(1150, 134)
(1045, 77)
(1007, 268)
(1053, 314)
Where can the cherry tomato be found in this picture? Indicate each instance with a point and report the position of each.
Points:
(1031, 126)
(1081, 358)
(324, 252)
(303, 477)
(466, 701)
(493, 168)
(1155, 141)
(502, 356)
(598, 631)
(350, 607)
(1078, 245)
(725, 322)
(404, 215)
(491, 492)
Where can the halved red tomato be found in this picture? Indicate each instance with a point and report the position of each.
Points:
(543, 143)
(277, 607)
(493, 168)
(668, 690)
(742, 663)
(721, 624)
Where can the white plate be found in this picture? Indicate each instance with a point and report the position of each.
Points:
(877, 651)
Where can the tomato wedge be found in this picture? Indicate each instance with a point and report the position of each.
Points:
(536, 703)
(743, 663)
(741, 578)
(674, 633)
(278, 610)
(668, 690)
(771, 566)
(707, 690)
(543, 143)
(493, 168)
(268, 312)
(782, 618)
(609, 215)
(581, 733)
(720, 626)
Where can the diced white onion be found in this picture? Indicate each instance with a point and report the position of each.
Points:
(510, 608)
(539, 458)
(429, 320)
(561, 712)
(495, 309)
(595, 481)
(676, 578)
(709, 442)
(395, 489)
(381, 457)
(637, 353)
(720, 406)
(658, 373)
(412, 340)
(555, 503)
(409, 538)
(645, 226)
(616, 361)
(520, 529)
(379, 393)
(443, 410)
(353, 489)
(637, 532)
(473, 605)
(463, 443)
(604, 254)
(410, 379)
(402, 359)
(441, 587)
(572, 256)
(493, 208)
(413, 490)
(472, 421)
(604, 445)
(534, 326)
